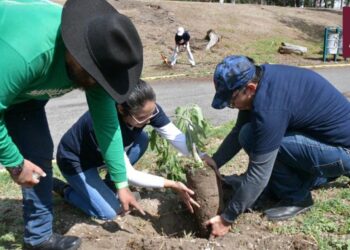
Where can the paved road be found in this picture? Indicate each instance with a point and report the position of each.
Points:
(63, 112)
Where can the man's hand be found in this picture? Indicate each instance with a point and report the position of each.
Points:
(29, 176)
(219, 227)
(184, 192)
(127, 199)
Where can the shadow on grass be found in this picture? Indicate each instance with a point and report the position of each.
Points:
(333, 11)
(315, 32)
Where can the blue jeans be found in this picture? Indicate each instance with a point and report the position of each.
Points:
(302, 163)
(27, 125)
(88, 192)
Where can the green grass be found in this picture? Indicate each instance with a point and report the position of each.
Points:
(220, 132)
(265, 50)
(328, 221)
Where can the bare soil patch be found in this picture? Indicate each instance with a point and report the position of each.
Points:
(169, 226)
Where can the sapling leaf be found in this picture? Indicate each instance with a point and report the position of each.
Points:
(190, 121)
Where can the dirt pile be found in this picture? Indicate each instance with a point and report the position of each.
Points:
(168, 225)
(208, 193)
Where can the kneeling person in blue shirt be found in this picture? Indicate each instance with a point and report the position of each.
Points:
(79, 156)
(295, 127)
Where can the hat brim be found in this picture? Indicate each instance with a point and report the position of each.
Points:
(221, 100)
(180, 33)
(75, 18)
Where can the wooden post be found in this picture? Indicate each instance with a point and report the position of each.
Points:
(346, 32)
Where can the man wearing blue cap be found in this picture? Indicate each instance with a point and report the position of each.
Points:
(295, 127)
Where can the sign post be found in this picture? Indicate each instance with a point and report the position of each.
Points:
(346, 32)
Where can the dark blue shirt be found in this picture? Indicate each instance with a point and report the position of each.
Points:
(287, 99)
(78, 149)
(181, 40)
(297, 99)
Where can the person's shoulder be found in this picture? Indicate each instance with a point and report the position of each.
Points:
(161, 112)
(85, 121)
(186, 35)
(160, 119)
(39, 25)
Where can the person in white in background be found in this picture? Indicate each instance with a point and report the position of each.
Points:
(182, 38)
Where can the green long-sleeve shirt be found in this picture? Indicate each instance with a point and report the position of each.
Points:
(32, 66)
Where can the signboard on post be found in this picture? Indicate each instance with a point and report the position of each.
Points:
(346, 32)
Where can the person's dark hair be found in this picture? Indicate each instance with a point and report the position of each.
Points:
(258, 71)
(140, 94)
(77, 74)
(258, 74)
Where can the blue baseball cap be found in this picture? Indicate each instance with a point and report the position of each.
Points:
(231, 74)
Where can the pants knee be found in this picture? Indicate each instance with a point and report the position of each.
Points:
(107, 214)
(245, 137)
(144, 141)
(139, 148)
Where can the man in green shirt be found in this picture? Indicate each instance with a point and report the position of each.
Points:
(45, 53)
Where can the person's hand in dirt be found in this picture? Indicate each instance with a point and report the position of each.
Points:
(127, 199)
(184, 192)
(26, 175)
(219, 227)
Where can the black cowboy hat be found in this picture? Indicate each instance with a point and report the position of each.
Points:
(105, 43)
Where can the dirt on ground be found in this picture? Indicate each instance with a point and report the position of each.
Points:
(168, 225)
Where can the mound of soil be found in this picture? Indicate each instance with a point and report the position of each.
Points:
(168, 225)
(208, 193)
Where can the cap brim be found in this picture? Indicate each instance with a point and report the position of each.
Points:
(221, 100)
(75, 18)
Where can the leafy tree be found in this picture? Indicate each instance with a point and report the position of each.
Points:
(190, 121)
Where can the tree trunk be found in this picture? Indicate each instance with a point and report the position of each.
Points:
(288, 48)
(213, 39)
